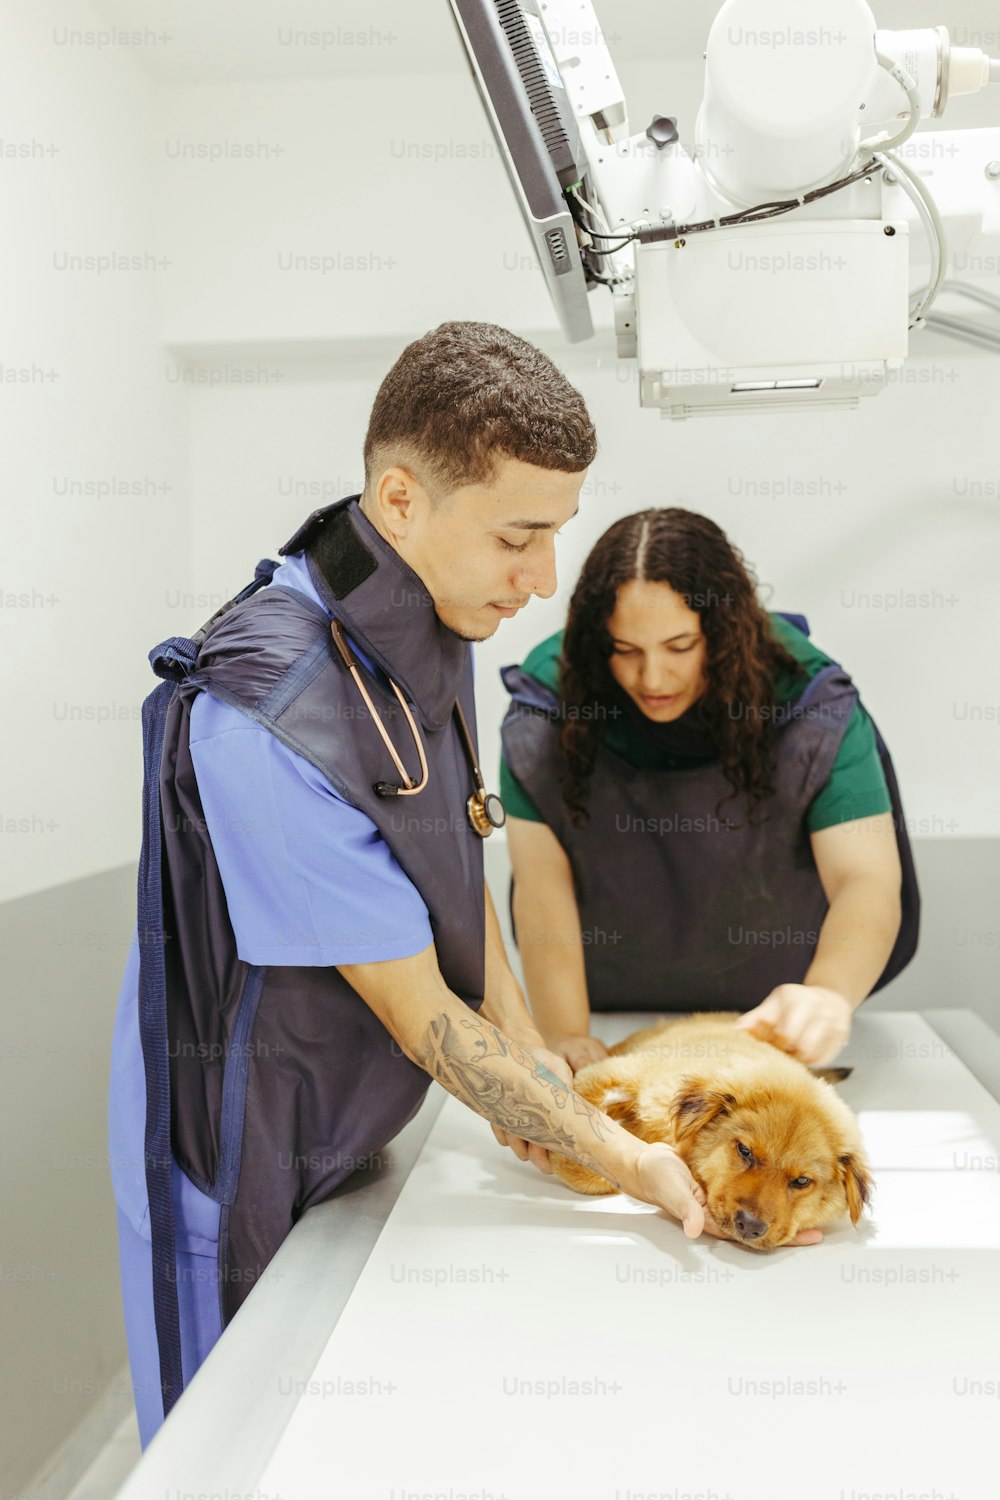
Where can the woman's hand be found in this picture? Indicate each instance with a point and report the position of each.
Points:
(810, 1022)
(578, 1051)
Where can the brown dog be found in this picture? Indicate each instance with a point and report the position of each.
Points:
(772, 1144)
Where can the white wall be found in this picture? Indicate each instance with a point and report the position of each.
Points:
(94, 453)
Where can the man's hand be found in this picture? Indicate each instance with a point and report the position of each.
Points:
(663, 1177)
(578, 1051)
(528, 1150)
(810, 1022)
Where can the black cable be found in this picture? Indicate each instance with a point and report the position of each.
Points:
(593, 275)
(625, 239)
(575, 209)
(759, 212)
(785, 205)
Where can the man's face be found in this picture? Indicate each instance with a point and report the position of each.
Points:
(484, 549)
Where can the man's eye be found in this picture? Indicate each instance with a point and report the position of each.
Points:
(511, 546)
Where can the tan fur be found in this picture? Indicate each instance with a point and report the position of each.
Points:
(700, 1085)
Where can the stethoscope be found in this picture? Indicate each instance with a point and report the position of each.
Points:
(485, 810)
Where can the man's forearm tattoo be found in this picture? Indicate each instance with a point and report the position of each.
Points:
(462, 1063)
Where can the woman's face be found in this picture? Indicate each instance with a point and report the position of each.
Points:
(659, 649)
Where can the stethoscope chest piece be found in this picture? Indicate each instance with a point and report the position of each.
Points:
(486, 812)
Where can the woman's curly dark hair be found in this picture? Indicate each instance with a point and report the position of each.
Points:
(695, 558)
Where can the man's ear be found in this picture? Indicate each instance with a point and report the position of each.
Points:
(695, 1104)
(857, 1184)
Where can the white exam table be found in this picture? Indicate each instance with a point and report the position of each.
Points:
(459, 1326)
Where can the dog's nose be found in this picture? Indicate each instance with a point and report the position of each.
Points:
(749, 1227)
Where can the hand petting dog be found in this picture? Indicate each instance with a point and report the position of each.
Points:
(804, 1020)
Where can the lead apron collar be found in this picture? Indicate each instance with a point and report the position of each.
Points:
(391, 615)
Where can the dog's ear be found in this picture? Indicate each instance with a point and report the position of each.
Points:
(832, 1075)
(857, 1184)
(695, 1104)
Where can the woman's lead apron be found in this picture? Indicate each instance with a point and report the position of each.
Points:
(684, 904)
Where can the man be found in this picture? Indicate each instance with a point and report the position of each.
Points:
(317, 937)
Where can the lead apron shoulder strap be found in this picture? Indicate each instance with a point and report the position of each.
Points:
(172, 660)
(153, 1035)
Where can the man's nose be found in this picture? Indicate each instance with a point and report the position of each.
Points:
(539, 577)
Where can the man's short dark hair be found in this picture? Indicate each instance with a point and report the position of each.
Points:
(467, 394)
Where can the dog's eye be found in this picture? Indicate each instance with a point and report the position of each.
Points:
(800, 1182)
(744, 1151)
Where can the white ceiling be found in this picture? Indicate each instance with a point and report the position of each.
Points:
(222, 41)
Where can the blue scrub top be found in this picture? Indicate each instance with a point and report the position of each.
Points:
(309, 880)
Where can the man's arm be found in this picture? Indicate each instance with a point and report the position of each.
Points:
(496, 1077)
(504, 1005)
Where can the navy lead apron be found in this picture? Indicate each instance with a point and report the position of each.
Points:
(270, 1085)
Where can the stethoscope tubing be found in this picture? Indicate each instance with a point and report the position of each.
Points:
(410, 787)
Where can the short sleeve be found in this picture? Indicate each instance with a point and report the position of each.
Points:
(856, 787)
(309, 879)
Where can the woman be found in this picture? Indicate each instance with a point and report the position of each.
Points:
(698, 817)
